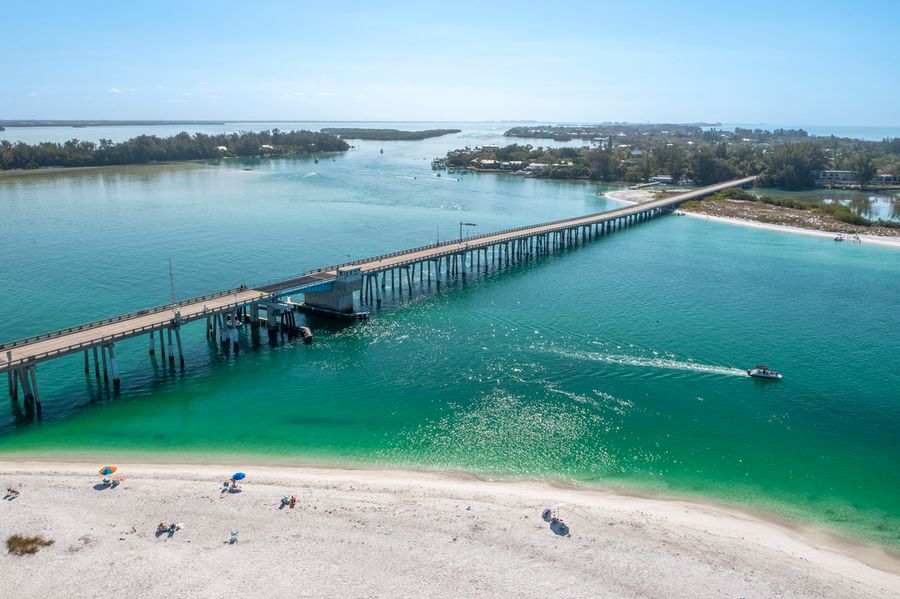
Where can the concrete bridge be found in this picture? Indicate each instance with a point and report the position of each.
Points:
(332, 290)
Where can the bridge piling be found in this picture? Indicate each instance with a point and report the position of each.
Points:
(180, 352)
(113, 366)
(153, 343)
(96, 364)
(87, 363)
(34, 386)
(103, 355)
(171, 347)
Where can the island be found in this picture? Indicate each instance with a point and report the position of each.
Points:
(150, 148)
(386, 134)
(663, 154)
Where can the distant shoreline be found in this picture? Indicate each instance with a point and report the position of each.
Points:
(58, 170)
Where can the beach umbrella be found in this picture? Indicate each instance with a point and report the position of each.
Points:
(238, 476)
(106, 470)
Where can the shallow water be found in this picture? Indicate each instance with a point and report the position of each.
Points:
(617, 362)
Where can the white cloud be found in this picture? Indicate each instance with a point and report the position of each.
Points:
(360, 96)
(132, 90)
(214, 96)
(203, 83)
(186, 94)
(320, 94)
(115, 90)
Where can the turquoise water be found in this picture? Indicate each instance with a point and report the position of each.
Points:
(618, 362)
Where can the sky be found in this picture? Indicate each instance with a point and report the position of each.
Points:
(632, 60)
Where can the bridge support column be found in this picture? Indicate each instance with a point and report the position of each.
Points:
(114, 368)
(87, 363)
(22, 375)
(254, 315)
(153, 343)
(10, 380)
(178, 340)
(103, 355)
(34, 386)
(96, 364)
(171, 347)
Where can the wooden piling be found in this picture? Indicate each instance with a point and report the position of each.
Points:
(180, 352)
(113, 366)
(96, 363)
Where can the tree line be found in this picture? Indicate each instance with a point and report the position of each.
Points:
(150, 148)
(386, 134)
(785, 165)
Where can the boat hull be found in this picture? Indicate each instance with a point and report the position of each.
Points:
(774, 376)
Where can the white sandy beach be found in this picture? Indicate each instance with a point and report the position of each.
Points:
(366, 533)
(870, 239)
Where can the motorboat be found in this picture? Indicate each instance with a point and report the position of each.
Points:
(762, 372)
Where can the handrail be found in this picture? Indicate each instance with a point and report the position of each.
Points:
(4, 364)
(89, 325)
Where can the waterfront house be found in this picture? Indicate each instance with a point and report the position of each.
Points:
(839, 177)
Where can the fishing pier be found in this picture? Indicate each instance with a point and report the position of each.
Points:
(332, 290)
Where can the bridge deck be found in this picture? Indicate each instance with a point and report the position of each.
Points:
(76, 339)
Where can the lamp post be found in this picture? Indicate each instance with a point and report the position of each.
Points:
(461, 225)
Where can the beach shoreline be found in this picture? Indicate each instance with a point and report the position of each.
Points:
(893, 242)
(390, 521)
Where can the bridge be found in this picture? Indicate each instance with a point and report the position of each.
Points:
(332, 290)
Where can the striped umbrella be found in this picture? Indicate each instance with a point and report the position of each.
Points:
(106, 470)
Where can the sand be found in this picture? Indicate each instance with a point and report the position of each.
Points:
(366, 533)
(868, 239)
(631, 196)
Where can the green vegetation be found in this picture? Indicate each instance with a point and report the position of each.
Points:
(19, 545)
(150, 148)
(783, 158)
(790, 166)
(387, 134)
(835, 210)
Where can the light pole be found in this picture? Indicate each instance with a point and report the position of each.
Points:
(461, 225)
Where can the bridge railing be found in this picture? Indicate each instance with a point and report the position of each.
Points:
(89, 325)
(606, 213)
(4, 365)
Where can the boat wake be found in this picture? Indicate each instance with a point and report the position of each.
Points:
(650, 362)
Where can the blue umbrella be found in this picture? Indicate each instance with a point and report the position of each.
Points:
(238, 476)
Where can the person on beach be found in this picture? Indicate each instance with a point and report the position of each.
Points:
(162, 528)
(293, 501)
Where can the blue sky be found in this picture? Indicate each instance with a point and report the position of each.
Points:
(748, 62)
